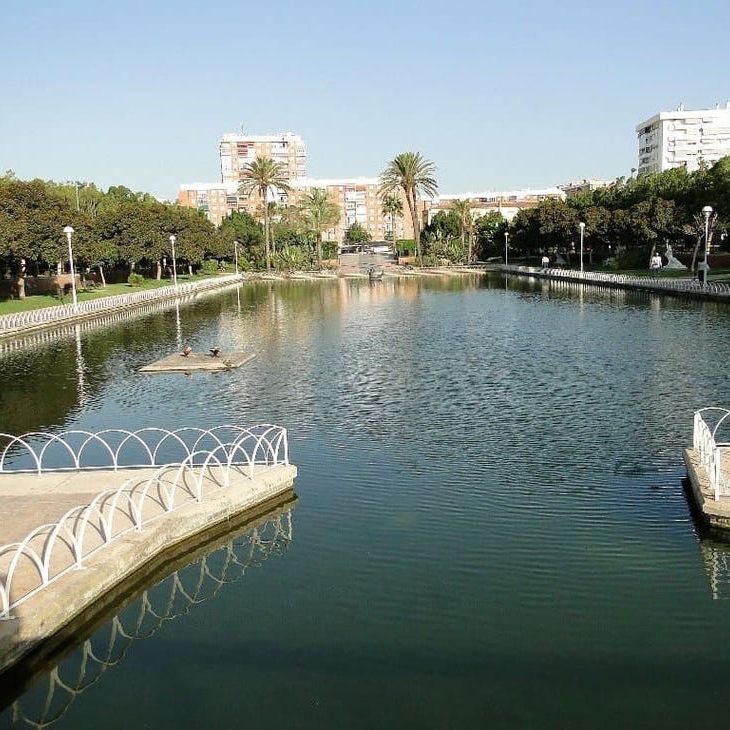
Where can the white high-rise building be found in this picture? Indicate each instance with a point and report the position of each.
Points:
(682, 138)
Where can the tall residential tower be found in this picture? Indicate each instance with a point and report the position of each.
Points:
(238, 150)
(682, 138)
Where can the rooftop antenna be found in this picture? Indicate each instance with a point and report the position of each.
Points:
(242, 130)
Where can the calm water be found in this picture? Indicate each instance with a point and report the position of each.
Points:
(490, 528)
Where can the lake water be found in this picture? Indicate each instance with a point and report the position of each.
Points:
(490, 529)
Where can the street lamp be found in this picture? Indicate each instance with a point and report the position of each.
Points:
(707, 211)
(69, 232)
(582, 230)
(235, 255)
(506, 239)
(174, 262)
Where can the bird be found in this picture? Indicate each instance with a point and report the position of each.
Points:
(215, 351)
(186, 350)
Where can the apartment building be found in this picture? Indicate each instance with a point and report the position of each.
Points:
(683, 138)
(359, 201)
(507, 203)
(238, 150)
(574, 187)
(216, 200)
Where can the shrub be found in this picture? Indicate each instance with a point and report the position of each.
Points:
(209, 267)
(135, 280)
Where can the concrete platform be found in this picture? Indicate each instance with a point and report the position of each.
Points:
(715, 513)
(178, 363)
(29, 500)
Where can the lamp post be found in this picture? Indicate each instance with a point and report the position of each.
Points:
(582, 227)
(707, 211)
(235, 255)
(174, 261)
(506, 239)
(69, 232)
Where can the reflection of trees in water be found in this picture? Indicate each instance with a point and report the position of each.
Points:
(50, 361)
(716, 557)
(50, 696)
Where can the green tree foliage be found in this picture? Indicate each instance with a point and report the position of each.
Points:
(244, 228)
(112, 227)
(318, 212)
(262, 176)
(415, 176)
(462, 209)
(357, 233)
(489, 235)
(392, 206)
(630, 218)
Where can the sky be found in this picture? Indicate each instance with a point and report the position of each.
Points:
(498, 95)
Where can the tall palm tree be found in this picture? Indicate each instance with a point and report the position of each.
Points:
(393, 206)
(319, 212)
(413, 174)
(462, 208)
(262, 175)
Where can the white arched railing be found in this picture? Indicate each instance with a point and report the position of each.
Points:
(117, 448)
(174, 596)
(690, 286)
(11, 323)
(711, 449)
(209, 460)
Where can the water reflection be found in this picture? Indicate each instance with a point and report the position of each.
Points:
(46, 698)
(716, 557)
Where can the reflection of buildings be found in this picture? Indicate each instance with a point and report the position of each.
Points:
(216, 564)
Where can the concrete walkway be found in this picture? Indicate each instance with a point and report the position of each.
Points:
(28, 501)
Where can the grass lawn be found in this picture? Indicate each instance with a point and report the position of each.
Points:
(11, 306)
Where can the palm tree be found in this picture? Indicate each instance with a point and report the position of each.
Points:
(462, 208)
(319, 212)
(393, 206)
(414, 174)
(262, 175)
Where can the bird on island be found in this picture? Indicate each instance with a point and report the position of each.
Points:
(186, 350)
(215, 351)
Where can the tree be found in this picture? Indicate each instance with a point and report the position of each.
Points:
(489, 234)
(241, 227)
(357, 234)
(413, 174)
(261, 176)
(462, 209)
(320, 213)
(393, 207)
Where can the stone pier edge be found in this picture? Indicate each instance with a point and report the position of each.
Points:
(67, 599)
(615, 284)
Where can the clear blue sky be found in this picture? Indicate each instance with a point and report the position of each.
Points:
(498, 94)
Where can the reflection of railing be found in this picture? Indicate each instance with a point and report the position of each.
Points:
(210, 460)
(10, 323)
(707, 422)
(172, 597)
(687, 286)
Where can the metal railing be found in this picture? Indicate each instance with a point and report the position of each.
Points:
(688, 286)
(210, 459)
(707, 422)
(11, 323)
(172, 597)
